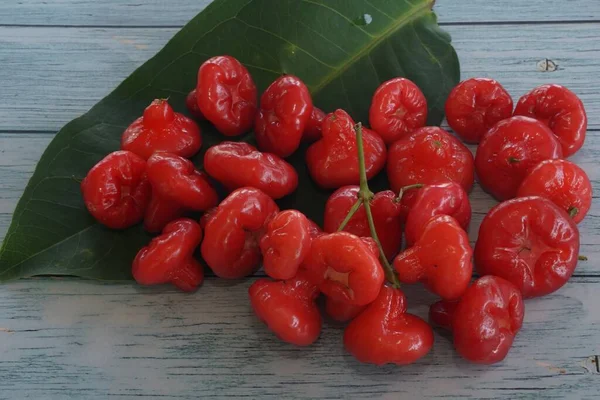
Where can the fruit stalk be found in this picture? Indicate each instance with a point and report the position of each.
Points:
(365, 195)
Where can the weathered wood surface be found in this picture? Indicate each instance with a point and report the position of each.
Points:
(73, 339)
(178, 12)
(56, 74)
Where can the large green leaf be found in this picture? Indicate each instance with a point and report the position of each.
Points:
(342, 49)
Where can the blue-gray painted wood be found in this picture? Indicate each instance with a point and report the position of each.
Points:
(37, 63)
(72, 339)
(178, 12)
(64, 339)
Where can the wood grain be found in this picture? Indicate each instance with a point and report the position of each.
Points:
(67, 339)
(178, 12)
(73, 339)
(46, 90)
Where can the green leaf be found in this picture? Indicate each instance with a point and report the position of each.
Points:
(342, 49)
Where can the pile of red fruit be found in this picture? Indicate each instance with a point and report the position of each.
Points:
(527, 246)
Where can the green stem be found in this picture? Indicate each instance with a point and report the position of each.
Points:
(582, 258)
(351, 213)
(365, 195)
(406, 189)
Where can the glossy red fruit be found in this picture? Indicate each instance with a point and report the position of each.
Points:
(485, 321)
(232, 233)
(562, 182)
(227, 95)
(312, 130)
(441, 199)
(561, 110)
(341, 311)
(441, 313)
(430, 155)
(286, 244)
(191, 102)
(385, 333)
(398, 108)
(162, 129)
(177, 187)
(530, 242)
(238, 164)
(169, 257)
(288, 308)
(476, 105)
(285, 109)
(386, 216)
(116, 191)
(333, 160)
(345, 268)
(440, 258)
(509, 151)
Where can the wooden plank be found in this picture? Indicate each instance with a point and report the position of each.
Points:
(72, 339)
(178, 12)
(43, 91)
(21, 152)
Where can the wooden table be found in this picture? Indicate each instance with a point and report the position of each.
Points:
(76, 339)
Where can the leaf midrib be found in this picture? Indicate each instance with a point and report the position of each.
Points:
(416, 11)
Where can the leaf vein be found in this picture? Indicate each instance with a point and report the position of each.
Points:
(422, 8)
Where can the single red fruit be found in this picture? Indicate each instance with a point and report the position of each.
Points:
(162, 129)
(385, 333)
(441, 199)
(116, 191)
(288, 308)
(177, 187)
(562, 182)
(231, 237)
(191, 102)
(333, 160)
(476, 105)
(509, 151)
(237, 164)
(440, 258)
(285, 244)
(561, 110)
(285, 109)
(226, 95)
(169, 257)
(386, 216)
(398, 108)
(341, 311)
(485, 320)
(530, 242)
(429, 155)
(312, 130)
(345, 268)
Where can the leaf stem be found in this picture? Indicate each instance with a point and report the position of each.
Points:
(365, 195)
(351, 213)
